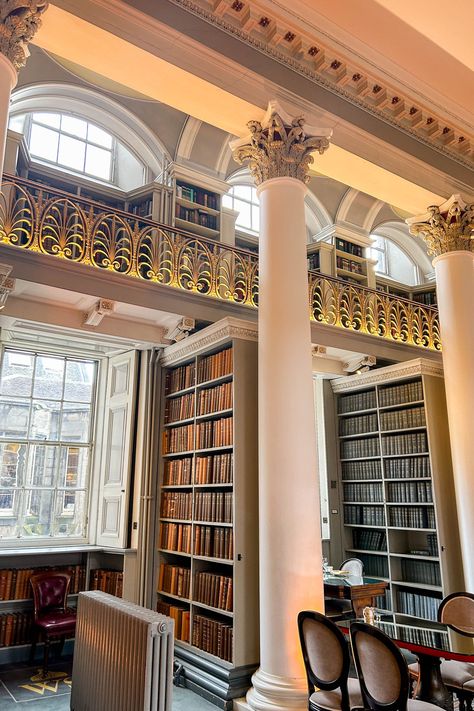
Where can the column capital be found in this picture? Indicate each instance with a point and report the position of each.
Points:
(448, 227)
(279, 146)
(19, 21)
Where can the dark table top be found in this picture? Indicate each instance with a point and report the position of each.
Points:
(423, 636)
(350, 580)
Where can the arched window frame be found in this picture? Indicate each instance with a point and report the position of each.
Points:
(388, 272)
(31, 120)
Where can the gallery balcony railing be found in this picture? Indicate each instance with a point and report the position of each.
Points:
(40, 219)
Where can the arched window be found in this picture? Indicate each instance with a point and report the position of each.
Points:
(393, 262)
(243, 199)
(72, 143)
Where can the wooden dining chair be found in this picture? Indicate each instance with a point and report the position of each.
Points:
(51, 618)
(382, 671)
(457, 612)
(342, 609)
(326, 657)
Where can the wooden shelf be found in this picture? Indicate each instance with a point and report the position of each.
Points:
(175, 597)
(196, 228)
(196, 206)
(216, 610)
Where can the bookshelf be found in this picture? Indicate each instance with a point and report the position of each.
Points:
(90, 567)
(197, 202)
(395, 480)
(207, 548)
(423, 293)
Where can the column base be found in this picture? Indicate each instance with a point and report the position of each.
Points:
(277, 693)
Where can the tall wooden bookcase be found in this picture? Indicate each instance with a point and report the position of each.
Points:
(396, 484)
(207, 547)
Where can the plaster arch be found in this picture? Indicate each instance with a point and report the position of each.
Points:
(99, 109)
(397, 231)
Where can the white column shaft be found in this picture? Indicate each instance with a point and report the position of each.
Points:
(290, 534)
(455, 288)
(8, 79)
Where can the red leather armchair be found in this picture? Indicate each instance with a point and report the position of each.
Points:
(52, 619)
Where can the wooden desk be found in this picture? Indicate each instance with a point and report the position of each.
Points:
(361, 591)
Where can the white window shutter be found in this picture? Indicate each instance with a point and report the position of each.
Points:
(117, 451)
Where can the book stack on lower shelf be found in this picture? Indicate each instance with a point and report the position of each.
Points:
(109, 581)
(15, 582)
(15, 628)
(396, 484)
(207, 536)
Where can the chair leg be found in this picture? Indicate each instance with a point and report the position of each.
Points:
(47, 643)
(60, 646)
(33, 646)
(462, 701)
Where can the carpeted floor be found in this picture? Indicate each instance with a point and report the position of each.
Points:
(22, 687)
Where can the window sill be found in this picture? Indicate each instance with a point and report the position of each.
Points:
(67, 548)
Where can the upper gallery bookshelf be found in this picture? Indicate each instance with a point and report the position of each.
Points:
(198, 202)
(396, 486)
(207, 539)
(343, 256)
(423, 293)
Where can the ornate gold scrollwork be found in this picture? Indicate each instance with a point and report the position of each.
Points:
(36, 218)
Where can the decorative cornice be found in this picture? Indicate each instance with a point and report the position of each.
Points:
(279, 146)
(213, 335)
(317, 61)
(446, 228)
(19, 22)
(408, 369)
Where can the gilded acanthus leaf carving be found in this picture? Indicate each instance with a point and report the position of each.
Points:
(19, 21)
(446, 228)
(279, 148)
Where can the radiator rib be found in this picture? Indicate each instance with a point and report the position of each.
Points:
(123, 656)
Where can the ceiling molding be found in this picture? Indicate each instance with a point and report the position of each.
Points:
(358, 82)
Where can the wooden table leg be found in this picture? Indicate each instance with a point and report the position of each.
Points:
(359, 603)
(430, 686)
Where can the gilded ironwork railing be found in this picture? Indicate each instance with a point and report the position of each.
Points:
(40, 219)
(342, 304)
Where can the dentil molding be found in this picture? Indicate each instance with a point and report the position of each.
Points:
(411, 368)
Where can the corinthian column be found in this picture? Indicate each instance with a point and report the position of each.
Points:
(19, 20)
(279, 152)
(448, 230)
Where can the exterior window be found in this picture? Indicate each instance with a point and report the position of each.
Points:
(72, 143)
(243, 199)
(46, 425)
(393, 262)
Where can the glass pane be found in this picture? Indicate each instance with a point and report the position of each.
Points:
(38, 512)
(70, 513)
(75, 422)
(256, 217)
(77, 127)
(243, 191)
(98, 162)
(73, 468)
(97, 135)
(17, 374)
(49, 374)
(53, 120)
(244, 210)
(44, 143)
(45, 420)
(12, 464)
(9, 504)
(14, 416)
(17, 123)
(227, 201)
(71, 153)
(43, 465)
(79, 380)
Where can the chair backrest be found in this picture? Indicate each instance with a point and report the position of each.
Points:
(50, 591)
(457, 611)
(381, 668)
(354, 566)
(326, 654)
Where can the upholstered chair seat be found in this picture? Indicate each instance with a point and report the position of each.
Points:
(332, 699)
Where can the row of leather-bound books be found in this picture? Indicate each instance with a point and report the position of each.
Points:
(181, 617)
(174, 579)
(179, 408)
(214, 542)
(213, 637)
(214, 399)
(215, 366)
(15, 582)
(176, 504)
(214, 590)
(214, 433)
(213, 506)
(209, 469)
(15, 628)
(109, 581)
(180, 378)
